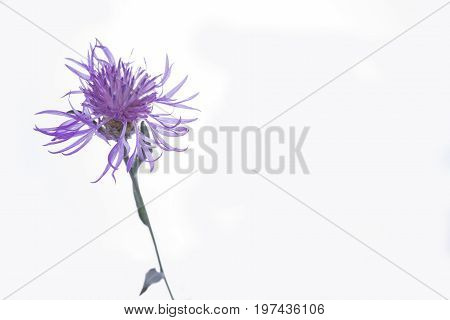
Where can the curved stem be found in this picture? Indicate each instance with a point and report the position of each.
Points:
(144, 218)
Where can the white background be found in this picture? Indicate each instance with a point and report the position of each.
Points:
(378, 151)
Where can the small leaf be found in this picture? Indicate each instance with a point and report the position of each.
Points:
(144, 129)
(151, 277)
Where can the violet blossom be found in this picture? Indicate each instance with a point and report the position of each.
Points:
(119, 100)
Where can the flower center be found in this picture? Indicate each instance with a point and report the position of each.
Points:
(113, 129)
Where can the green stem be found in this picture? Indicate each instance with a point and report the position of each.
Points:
(144, 218)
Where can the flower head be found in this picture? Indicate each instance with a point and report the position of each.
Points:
(119, 106)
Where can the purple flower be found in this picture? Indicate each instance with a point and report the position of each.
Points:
(119, 104)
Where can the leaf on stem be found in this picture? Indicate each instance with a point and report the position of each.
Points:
(151, 277)
(144, 129)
